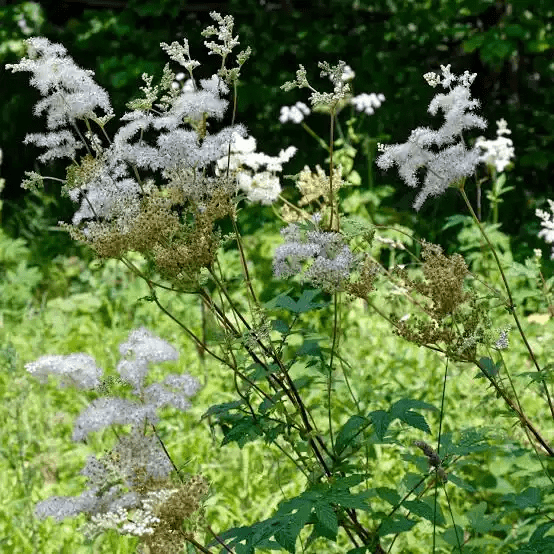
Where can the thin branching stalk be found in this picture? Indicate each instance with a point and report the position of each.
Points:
(510, 306)
(452, 518)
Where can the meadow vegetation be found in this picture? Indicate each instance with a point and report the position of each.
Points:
(243, 360)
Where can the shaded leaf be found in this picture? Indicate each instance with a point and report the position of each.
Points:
(393, 526)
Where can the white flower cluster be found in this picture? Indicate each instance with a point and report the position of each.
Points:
(140, 350)
(78, 370)
(367, 102)
(129, 521)
(318, 257)
(69, 92)
(295, 113)
(255, 171)
(498, 152)
(170, 137)
(547, 223)
(454, 161)
(135, 456)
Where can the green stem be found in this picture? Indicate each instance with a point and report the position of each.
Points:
(510, 306)
(319, 140)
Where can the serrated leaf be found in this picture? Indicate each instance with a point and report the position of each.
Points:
(309, 347)
(327, 517)
(489, 367)
(393, 526)
(405, 404)
(242, 432)
(424, 510)
(413, 419)
(223, 408)
(478, 520)
(453, 220)
(305, 302)
(286, 302)
(390, 495)
(346, 499)
(286, 539)
(454, 536)
(460, 483)
(403, 410)
(380, 421)
(528, 498)
(351, 430)
(540, 532)
(280, 326)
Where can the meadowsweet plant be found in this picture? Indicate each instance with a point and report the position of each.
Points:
(134, 488)
(168, 180)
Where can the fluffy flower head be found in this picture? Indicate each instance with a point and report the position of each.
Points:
(442, 152)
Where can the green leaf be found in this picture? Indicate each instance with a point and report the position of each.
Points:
(454, 537)
(389, 495)
(403, 410)
(286, 539)
(350, 431)
(529, 498)
(241, 433)
(305, 303)
(424, 510)
(489, 367)
(327, 517)
(479, 521)
(380, 421)
(282, 301)
(223, 408)
(473, 43)
(280, 326)
(393, 526)
(460, 483)
(309, 347)
(540, 532)
(453, 220)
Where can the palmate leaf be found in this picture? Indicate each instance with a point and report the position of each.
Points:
(304, 303)
(327, 519)
(316, 506)
(403, 410)
(425, 511)
(395, 525)
(351, 432)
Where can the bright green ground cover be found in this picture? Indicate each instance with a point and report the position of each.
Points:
(39, 460)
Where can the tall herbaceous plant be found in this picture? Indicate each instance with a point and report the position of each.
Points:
(167, 181)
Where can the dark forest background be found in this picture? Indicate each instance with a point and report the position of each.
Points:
(389, 44)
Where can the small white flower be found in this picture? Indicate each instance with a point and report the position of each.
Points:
(367, 102)
(502, 343)
(348, 74)
(547, 223)
(498, 152)
(294, 113)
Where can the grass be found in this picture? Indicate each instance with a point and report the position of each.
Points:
(39, 460)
